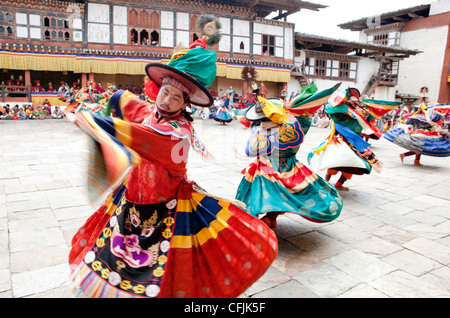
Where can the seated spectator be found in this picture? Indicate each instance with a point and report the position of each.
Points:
(29, 112)
(324, 121)
(63, 87)
(21, 114)
(99, 88)
(38, 88)
(46, 103)
(11, 80)
(15, 110)
(38, 113)
(9, 87)
(19, 83)
(57, 113)
(46, 111)
(50, 87)
(2, 112)
(9, 115)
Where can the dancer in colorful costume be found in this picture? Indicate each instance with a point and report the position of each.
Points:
(276, 182)
(85, 99)
(370, 110)
(422, 134)
(345, 150)
(158, 234)
(222, 114)
(248, 100)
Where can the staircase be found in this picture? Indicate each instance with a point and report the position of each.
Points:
(299, 73)
(371, 85)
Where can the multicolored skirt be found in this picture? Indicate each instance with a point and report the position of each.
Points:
(428, 143)
(288, 187)
(222, 115)
(192, 246)
(340, 156)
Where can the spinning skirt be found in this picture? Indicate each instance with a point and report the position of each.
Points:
(291, 187)
(222, 115)
(423, 142)
(338, 155)
(193, 246)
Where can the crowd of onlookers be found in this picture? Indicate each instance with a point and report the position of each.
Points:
(29, 112)
(320, 119)
(17, 85)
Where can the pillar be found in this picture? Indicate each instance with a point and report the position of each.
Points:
(27, 77)
(244, 88)
(83, 80)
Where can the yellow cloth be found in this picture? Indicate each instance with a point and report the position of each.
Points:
(274, 112)
(325, 144)
(107, 64)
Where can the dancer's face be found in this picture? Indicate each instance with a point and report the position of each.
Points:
(170, 100)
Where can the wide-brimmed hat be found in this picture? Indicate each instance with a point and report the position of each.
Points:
(267, 109)
(194, 69)
(255, 113)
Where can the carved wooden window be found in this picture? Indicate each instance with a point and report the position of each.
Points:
(133, 36)
(143, 36)
(382, 39)
(320, 67)
(344, 69)
(56, 29)
(154, 20)
(143, 18)
(133, 17)
(5, 22)
(268, 45)
(194, 19)
(333, 66)
(154, 38)
(8, 18)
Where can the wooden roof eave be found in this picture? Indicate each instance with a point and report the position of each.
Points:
(385, 18)
(264, 8)
(308, 40)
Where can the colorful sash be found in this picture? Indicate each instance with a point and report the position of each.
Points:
(309, 105)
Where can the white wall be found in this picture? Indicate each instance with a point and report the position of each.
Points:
(98, 23)
(366, 69)
(423, 69)
(225, 31)
(440, 6)
(120, 21)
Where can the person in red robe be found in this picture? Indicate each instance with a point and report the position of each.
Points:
(50, 87)
(160, 234)
(38, 88)
(99, 88)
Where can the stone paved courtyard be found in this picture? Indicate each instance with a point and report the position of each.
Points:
(391, 240)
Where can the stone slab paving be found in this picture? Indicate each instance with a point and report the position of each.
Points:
(391, 240)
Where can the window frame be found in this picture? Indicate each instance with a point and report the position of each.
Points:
(266, 45)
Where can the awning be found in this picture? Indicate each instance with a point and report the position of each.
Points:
(132, 65)
(263, 73)
(36, 61)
